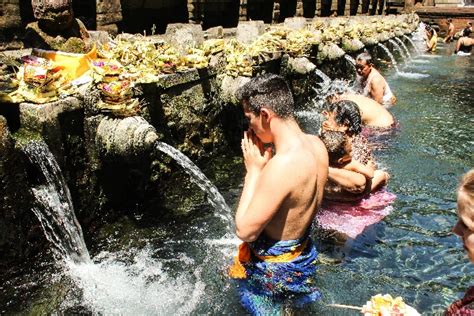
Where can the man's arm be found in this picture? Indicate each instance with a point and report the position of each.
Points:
(350, 181)
(265, 187)
(377, 87)
(358, 167)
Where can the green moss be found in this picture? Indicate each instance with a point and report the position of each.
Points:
(24, 136)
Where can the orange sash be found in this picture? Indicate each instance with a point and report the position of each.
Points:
(237, 270)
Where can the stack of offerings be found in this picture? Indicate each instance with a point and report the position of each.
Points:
(42, 80)
(115, 92)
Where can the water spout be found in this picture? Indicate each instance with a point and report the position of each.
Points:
(214, 197)
(55, 210)
(394, 62)
(404, 46)
(412, 43)
(399, 48)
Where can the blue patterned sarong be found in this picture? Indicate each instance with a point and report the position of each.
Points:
(277, 274)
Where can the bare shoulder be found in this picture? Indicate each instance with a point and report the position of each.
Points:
(319, 149)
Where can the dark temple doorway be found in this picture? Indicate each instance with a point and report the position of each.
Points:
(86, 11)
(287, 9)
(224, 13)
(152, 16)
(260, 10)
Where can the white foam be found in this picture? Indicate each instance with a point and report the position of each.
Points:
(140, 287)
(412, 75)
(420, 61)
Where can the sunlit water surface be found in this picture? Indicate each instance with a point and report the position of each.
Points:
(143, 267)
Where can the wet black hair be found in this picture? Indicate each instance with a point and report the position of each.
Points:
(347, 113)
(335, 142)
(267, 91)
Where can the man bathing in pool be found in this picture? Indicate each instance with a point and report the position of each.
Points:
(276, 264)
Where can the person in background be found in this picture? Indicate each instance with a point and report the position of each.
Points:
(339, 148)
(373, 114)
(347, 185)
(371, 82)
(431, 40)
(276, 264)
(450, 32)
(464, 45)
(464, 228)
(467, 30)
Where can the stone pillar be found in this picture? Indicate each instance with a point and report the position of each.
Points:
(409, 5)
(243, 10)
(317, 10)
(109, 13)
(9, 14)
(299, 8)
(276, 11)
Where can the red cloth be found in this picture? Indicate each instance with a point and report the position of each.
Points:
(464, 306)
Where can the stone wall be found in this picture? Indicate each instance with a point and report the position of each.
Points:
(109, 13)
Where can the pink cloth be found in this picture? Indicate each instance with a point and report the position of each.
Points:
(352, 218)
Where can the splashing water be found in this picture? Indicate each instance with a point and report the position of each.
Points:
(389, 54)
(351, 61)
(142, 287)
(399, 48)
(404, 46)
(412, 43)
(56, 212)
(323, 76)
(214, 197)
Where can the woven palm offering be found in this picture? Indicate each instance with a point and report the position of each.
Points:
(386, 305)
(116, 98)
(43, 81)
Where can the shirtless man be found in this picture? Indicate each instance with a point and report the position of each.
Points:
(373, 84)
(280, 197)
(373, 114)
(450, 33)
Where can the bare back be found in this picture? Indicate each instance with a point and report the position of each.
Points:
(306, 164)
(372, 112)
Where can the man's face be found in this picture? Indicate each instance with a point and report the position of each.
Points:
(255, 123)
(362, 68)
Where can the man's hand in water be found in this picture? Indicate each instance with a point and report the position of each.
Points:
(255, 155)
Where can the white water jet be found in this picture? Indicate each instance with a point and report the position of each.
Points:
(214, 197)
(412, 43)
(399, 48)
(323, 76)
(403, 46)
(392, 59)
(55, 210)
(351, 61)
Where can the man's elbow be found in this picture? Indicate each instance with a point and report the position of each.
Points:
(246, 235)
